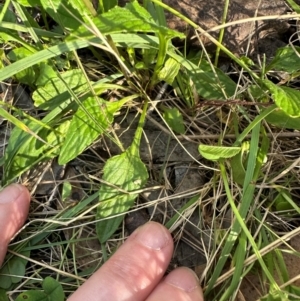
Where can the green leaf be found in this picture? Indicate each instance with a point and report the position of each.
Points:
(132, 18)
(125, 173)
(214, 153)
(55, 91)
(281, 203)
(69, 14)
(9, 15)
(106, 5)
(286, 59)
(122, 175)
(169, 71)
(46, 73)
(174, 119)
(32, 296)
(3, 295)
(22, 28)
(295, 290)
(129, 40)
(282, 120)
(294, 6)
(237, 164)
(53, 291)
(276, 296)
(208, 83)
(91, 120)
(29, 3)
(66, 190)
(24, 151)
(83, 129)
(287, 99)
(12, 272)
(28, 75)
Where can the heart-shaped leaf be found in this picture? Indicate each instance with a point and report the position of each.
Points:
(211, 152)
(123, 174)
(53, 291)
(287, 99)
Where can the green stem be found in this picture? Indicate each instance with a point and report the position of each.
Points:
(134, 148)
(222, 31)
(162, 51)
(104, 253)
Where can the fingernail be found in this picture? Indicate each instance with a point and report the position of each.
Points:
(184, 279)
(10, 193)
(153, 235)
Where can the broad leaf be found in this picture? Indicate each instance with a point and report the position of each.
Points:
(287, 99)
(12, 271)
(69, 14)
(106, 5)
(123, 174)
(208, 83)
(169, 71)
(46, 73)
(91, 120)
(32, 296)
(55, 91)
(28, 75)
(286, 59)
(53, 291)
(24, 151)
(281, 203)
(174, 119)
(214, 153)
(3, 295)
(132, 18)
(282, 120)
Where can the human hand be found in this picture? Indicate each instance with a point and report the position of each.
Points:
(134, 273)
(14, 206)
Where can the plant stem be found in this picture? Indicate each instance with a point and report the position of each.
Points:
(134, 148)
(221, 35)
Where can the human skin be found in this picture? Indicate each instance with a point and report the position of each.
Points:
(134, 273)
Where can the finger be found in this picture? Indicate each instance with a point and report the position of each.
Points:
(14, 206)
(134, 270)
(180, 285)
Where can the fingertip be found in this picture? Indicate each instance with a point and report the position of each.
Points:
(181, 284)
(134, 270)
(14, 207)
(13, 193)
(184, 279)
(153, 236)
(15, 199)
